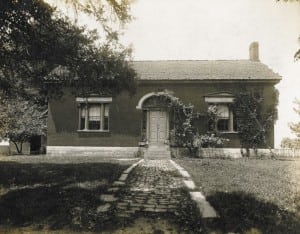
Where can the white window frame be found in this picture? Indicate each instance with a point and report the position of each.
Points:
(85, 102)
(229, 118)
(223, 100)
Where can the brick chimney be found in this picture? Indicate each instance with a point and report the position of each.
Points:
(254, 51)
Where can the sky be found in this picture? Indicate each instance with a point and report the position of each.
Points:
(218, 29)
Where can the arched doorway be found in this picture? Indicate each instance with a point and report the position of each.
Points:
(155, 118)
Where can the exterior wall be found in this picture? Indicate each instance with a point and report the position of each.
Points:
(63, 120)
(236, 153)
(125, 119)
(116, 152)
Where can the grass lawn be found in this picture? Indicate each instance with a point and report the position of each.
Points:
(61, 194)
(260, 196)
(55, 196)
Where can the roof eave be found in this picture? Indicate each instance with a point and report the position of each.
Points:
(274, 81)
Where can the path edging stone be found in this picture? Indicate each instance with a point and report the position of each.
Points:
(110, 196)
(206, 210)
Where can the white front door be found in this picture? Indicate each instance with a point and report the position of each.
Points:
(158, 127)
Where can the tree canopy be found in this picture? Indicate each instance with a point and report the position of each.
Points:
(35, 39)
(290, 143)
(20, 120)
(295, 127)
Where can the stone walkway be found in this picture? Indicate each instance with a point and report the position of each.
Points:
(157, 188)
(152, 187)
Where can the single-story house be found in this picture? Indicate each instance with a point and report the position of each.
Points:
(121, 123)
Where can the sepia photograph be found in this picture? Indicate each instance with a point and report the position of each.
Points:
(149, 116)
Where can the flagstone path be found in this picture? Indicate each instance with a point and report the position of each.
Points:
(153, 186)
(157, 188)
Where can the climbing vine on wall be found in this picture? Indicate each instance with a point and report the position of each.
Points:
(253, 121)
(184, 133)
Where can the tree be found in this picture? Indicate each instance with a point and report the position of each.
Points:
(20, 120)
(297, 54)
(35, 40)
(295, 127)
(290, 143)
(106, 12)
(253, 123)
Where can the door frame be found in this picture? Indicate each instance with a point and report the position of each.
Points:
(148, 123)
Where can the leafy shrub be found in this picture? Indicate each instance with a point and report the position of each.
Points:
(209, 141)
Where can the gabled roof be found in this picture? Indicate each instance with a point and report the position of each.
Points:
(204, 70)
(58, 73)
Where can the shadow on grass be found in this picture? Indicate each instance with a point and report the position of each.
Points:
(57, 202)
(17, 174)
(184, 219)
(240, 212)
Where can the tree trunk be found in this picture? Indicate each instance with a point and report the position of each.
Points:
(247, 152)
(21, 147)
(19, 150)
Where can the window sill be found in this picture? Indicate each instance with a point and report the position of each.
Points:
(93, 133)
(228, 132)
(92, 130)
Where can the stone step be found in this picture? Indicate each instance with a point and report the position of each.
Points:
(161, 154)
(157, 156)
(158, 152)
(164, 158)
(151, 147)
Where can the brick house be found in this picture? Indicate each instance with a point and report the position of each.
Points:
(121, 123)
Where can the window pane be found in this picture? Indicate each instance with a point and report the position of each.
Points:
(82, 111)
(105, 126)
(106, 117)
(95, 112)
(223, 125)
(223, 111)
(94, 125)
(94, 117)
(106, 109)
(82, 116)
(82, 123)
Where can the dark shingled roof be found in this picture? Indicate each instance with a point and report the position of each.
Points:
(204, 70)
